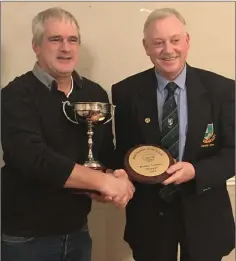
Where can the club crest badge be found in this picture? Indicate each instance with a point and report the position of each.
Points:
(209, 136)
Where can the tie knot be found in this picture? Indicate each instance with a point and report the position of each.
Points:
(171, 87)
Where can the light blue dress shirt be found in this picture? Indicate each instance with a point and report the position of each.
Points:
(181, 101)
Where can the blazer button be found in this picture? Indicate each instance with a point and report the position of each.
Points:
(161, 214)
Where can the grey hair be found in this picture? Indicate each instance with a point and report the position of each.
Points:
(162, 13)
(54, 13)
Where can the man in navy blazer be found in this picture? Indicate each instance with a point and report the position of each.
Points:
(199, 217)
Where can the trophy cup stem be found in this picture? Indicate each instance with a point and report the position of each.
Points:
(90, 141)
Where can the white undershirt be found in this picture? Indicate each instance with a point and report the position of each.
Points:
(71, 89)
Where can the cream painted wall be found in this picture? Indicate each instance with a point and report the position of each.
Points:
(112, 50)
(112, 37)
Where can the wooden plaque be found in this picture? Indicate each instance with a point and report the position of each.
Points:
(148, 163)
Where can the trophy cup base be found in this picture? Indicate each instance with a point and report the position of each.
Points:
(94, 165)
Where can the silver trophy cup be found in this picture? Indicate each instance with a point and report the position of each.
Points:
(90, 113)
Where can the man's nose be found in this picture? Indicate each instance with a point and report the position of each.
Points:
(65, 45)
(168, 47)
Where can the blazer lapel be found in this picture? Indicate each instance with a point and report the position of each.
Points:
(145, 104)
(199, 114)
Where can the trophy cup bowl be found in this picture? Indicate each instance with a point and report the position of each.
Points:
(90, 113)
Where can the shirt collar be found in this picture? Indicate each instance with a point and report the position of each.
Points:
(49, 81)
(180, 80)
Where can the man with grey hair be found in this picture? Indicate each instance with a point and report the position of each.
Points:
(190, 113)
(43, 215)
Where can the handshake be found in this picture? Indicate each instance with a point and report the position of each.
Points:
(116, 189)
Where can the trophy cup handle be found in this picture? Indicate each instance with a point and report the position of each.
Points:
(64, 110)
(112, 114)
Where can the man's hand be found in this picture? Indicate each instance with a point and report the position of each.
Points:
(118, 201)
(120, 173)
(100, 198)
(118, 187)
(180, 172)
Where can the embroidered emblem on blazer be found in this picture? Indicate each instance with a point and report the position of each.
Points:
(209, 136)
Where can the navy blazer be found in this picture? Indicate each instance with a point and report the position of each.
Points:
(206, 205)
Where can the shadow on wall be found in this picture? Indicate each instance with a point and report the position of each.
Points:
(106, 224)
(118, 249)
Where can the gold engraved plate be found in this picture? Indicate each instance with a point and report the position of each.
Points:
(149, 161)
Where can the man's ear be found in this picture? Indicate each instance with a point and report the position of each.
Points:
(188, 39)
(35, 47)
(145, 46)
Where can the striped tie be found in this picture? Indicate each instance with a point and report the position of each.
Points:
(170, 135)
(170, 122)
